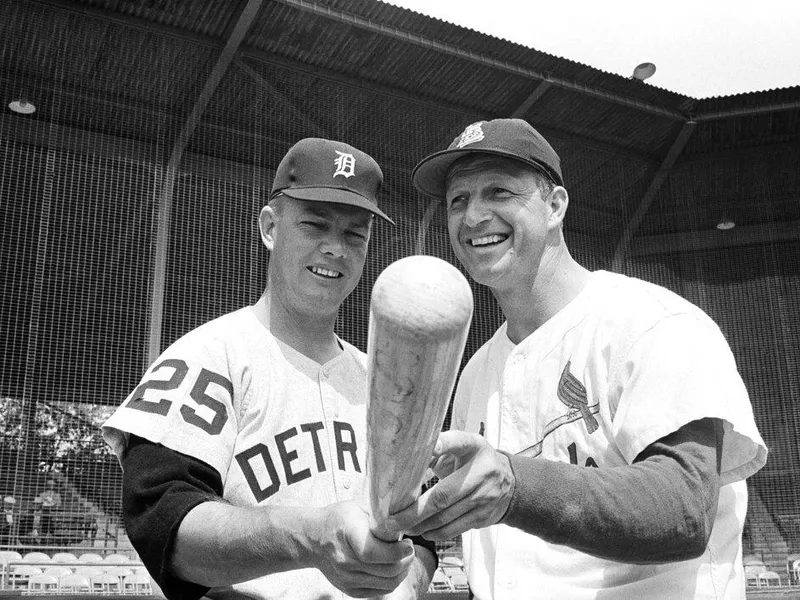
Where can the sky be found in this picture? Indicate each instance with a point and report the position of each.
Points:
(701, 48)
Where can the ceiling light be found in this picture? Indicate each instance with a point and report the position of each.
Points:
(22, 107)
(643, 71)
(725, 223)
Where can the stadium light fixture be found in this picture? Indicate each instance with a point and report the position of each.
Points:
(643, 71)
(725, 223)
(22, 106)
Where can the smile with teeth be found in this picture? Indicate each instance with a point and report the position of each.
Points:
(487, 240)
(329, 273)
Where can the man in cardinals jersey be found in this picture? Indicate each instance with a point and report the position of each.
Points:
(243, 448)
(604, 433)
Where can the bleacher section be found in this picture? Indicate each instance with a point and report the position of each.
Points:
(67, 573)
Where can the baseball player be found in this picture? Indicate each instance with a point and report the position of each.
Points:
(243, 448)
(604, 433)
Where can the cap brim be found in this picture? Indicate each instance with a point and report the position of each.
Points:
(430, 173)
(336, 196)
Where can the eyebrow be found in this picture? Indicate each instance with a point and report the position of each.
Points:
(326, 212)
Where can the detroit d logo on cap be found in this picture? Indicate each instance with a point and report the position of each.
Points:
(345, 164)
(473, 133)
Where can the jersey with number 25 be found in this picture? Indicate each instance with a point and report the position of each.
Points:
(278, 427)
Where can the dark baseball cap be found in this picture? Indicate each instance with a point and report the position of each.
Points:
(323, 170)
(512, 138)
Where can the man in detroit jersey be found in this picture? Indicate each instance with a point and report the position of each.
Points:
(605, 433)
(243, 449)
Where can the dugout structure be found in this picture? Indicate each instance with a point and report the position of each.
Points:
(129, 202)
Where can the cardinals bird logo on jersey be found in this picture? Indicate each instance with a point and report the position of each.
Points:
(573, 394)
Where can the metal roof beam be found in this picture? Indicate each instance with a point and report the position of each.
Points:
(746, 111)
(537, 93)
(227, 55)
(281, 99)
(655, 185)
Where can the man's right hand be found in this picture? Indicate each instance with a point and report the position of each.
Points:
(343, 548)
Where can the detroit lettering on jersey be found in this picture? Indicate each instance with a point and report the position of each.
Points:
(259, 468)
(257, 462)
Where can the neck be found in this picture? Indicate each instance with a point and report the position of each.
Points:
(558, 280)
(311, 335)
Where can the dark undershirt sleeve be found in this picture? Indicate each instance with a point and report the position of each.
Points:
(659, 509)
(160, 486)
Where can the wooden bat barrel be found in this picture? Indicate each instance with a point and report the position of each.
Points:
(420, 312)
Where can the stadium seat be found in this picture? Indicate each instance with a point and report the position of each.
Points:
(43, 583)
(36, 557)
(136, 583)
(74, 583)
(459, 581)
(752, 559)
(116, 558)
(105, 582)
(790, 561)
(440, 582)
(64, 557)
(20, 574)
(6, 556)
(451, 561)
(88, 571)
(58, 571)
(119, 572)
(751, 573)
(456, 575)
(90, 557)
(769, 579)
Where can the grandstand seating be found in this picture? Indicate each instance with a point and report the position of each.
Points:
(64, 557)
(64, 573)
(769, 579)
(58, 571)
(136, 583)
(75, 583)
(43, 583)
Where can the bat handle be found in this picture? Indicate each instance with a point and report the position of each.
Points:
(380, 531)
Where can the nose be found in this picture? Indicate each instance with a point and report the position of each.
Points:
(333, 245)
(476, 212)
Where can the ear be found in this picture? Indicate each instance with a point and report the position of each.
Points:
(557, 201)
(267, 220)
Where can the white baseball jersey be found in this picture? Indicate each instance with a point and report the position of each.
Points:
(278, 427)
(623, 365)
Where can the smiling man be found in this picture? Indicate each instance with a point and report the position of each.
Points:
(602, 437)
(243, 448)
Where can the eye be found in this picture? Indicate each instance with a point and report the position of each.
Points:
(499, 191)
(357, 234)
(455, 201)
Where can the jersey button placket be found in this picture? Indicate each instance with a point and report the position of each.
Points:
(512, 384)
(330, 413)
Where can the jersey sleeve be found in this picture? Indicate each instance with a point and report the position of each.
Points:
(679, 371)
(185, 401)
(160, 487)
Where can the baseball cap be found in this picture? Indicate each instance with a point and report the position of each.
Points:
(323, 170)
(512, 138)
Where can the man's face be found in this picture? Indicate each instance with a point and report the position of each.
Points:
(317, 254)
(497, 218)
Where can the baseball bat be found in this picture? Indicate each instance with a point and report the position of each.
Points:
(420, 312)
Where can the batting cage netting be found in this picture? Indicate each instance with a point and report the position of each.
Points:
(130, 217)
